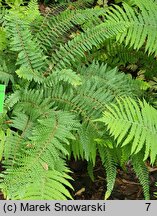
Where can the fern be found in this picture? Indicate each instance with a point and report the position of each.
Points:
(124, 155)
(32, 11)
(75, 49)
(51, 181)
(109, 164)
(135, 123)
(142, 173)
(32, 162)
(140, 26)
(125, 25)
(66, 75)
(3, 12)
(56, 90)
(3, 40)
(88, 100)
(30, 57)
(6, 74)
(52, 30)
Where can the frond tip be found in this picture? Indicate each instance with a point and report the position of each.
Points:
(142, 173)
(110, 168)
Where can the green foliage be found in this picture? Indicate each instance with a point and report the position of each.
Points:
(58, 84)
(53, 31)
(14, 3)
(3, 40)
(142, 173)
(34, 153)
(29, 55)
(110, 167)
(135, 123)
(140, 24)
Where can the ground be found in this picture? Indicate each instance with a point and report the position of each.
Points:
(126, 186)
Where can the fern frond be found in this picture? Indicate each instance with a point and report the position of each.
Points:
(141, 26)
(77, 48)
(117, 54)
(23, 123)
(90, 171)
(55, 30)
(66, 75)
(31, 12)
(133, 123)
(33, 103)
(125, 155)
(51, 185)
(12, 99)
(30, 56)
(36, 184)
(144, 4)
(110, 168)
(99, 87)
(3, 12)
(114, 81)
(87, 143)
(3, 39)
(142, 173)
(40, 147)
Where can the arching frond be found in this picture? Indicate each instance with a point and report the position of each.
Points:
(77, 48)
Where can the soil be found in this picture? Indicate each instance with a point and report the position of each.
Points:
(126, 186)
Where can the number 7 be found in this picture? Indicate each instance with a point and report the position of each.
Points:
(148, 205)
